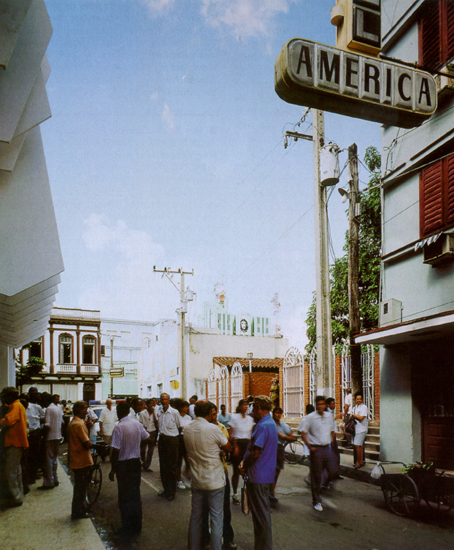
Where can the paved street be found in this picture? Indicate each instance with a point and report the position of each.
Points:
(355, 517)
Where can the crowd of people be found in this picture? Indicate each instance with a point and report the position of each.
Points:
(195, 443)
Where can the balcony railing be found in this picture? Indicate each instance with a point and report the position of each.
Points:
(72, 369)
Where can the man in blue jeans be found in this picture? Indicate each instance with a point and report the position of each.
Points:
(204, 441)
(259, 464)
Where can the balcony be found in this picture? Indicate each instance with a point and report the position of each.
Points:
(72, 369)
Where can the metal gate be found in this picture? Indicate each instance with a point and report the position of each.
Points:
(212, 385)
(236, 385)
(312, 376)
(293, 383)
(367, 365)
(223, 386)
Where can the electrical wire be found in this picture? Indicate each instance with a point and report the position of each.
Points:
(286, 232)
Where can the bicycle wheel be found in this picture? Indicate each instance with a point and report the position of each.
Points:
(401, 494)
(294, 452)
(94, 484)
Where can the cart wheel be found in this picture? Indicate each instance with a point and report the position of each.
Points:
(401, 495)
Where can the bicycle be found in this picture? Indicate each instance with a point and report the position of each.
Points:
(294, 452)
(94, 481)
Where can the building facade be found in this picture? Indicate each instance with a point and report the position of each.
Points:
(417, 308)
(71, 350)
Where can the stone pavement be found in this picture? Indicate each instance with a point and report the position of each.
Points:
(44, 521)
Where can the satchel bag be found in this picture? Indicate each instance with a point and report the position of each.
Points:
(244, 498)
(350, 426)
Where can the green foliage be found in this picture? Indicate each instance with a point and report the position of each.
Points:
(24, 373)
(369, 266)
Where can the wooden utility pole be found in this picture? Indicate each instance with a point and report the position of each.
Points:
(353, 270)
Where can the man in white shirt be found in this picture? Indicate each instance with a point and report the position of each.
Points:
(35, 420)
(125, 464)
(168, 424)
(52, 437)
(137, 406)
(192, 402)
(107, 422)
(148, 420)
(318, 434)
(204, 442)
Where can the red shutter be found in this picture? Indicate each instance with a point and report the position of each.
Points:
(429, 37)
(450, 30)
(449, 189)
(431, 198)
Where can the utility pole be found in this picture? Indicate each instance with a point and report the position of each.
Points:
(184, 298)
(325, 376)
(353, 269)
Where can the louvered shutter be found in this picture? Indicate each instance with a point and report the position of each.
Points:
(450, 30)
(429, 36)
(449, 186)
(431, 198)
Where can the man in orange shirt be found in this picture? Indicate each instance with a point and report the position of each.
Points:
(15, 425)
(80, 459)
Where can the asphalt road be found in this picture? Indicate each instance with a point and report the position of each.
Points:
(354, 518)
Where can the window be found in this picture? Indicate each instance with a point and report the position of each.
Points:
(436, 34)
(88, 343)
(66, 348)
(436, 191)
(35, 348)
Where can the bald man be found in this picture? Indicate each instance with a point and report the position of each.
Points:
(107, 422)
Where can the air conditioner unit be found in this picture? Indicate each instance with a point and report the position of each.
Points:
(441, 251)
(390, 312)
(445, 84)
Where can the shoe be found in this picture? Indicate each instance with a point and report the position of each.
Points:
(45, 487)
(148, 470)
(229, 546)
(56, 483)
(273, 498)
(170, 497)
(235, 499)
(326, 486)
(181, 485)
(318, 507)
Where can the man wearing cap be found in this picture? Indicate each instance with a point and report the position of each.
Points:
(259, 465)
(15, 425)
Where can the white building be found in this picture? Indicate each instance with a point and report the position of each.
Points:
(161, 371)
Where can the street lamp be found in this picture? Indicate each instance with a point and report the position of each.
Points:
(250, 355)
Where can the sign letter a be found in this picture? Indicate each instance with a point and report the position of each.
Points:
(305, 59)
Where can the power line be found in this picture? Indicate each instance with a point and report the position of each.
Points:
(273, 244)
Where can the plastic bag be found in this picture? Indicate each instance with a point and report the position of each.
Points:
(350, 426)
(377, 472)
(244, 499)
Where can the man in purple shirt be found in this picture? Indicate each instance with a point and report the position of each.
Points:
(125, 463)
(259, 465)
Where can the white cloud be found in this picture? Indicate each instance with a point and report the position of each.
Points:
(243, 17)
(168, 117)
(157, 7)
(126, 286)
(154, 96)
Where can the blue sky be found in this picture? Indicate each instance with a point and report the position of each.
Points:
(165, 148)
